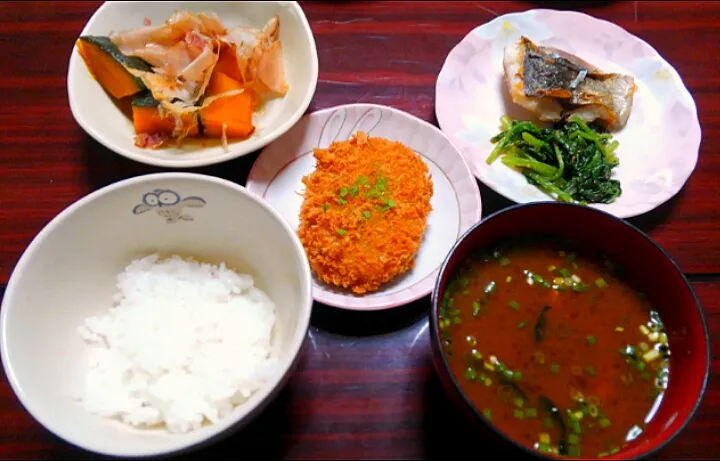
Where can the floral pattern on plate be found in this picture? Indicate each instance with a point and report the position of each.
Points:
(658, 147)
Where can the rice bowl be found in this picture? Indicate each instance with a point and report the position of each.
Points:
(96, 239)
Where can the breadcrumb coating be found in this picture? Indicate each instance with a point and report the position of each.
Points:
(364, 212)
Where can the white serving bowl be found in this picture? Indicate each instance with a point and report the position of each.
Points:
(68, 273)
(99, 115)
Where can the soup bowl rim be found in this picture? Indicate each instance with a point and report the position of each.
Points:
(436, 345)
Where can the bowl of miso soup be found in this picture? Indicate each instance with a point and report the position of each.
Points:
(566, 332)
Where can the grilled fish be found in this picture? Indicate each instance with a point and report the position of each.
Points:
(555, 85)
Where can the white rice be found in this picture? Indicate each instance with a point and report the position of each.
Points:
(185, 343)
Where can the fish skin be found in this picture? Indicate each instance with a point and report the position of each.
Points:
(554, 85)
(546, 109)
(545, 76)
(613, 92)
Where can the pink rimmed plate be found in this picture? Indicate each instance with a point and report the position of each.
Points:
(658, 147)
(277, 175)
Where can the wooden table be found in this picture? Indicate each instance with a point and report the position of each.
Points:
(365, 387)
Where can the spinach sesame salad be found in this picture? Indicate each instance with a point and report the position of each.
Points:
(555, 347)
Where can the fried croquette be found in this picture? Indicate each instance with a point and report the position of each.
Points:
(364, 212)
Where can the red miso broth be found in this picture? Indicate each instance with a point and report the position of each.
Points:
(554, 347)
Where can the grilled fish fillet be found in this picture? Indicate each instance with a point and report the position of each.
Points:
(554, 85)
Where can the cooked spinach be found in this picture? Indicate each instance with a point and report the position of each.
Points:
(571, 162)
(541, 325)
(513, 387)
(548, 406)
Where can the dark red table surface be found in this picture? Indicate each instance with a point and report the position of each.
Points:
(365, 387)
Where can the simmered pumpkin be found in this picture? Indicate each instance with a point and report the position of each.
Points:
(147, 119)
(234, 111)
(228, 63)
(107, 64)
(190, 76)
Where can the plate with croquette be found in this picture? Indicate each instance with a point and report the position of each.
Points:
(377, 196)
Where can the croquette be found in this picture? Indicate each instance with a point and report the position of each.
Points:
(364, 212)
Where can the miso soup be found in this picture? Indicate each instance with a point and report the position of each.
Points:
(554, 347)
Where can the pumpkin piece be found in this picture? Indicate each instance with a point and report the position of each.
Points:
(147, 119)
(227, 63)
(220, 83)
(234, 111)
(107, 65)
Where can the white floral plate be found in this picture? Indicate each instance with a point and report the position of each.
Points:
(658, 147)
(277, 174)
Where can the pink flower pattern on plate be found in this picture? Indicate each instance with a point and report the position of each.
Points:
(658, 147)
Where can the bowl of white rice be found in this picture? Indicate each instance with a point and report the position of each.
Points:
(156, 315)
